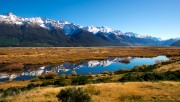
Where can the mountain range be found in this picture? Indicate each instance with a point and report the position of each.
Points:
(37, 31)
(177, 43)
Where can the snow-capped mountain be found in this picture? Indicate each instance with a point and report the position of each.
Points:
(68, 28)
(62, 33)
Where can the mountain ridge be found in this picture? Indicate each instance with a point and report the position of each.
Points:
(47, 32)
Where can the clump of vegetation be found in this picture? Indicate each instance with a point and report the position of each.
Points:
(121, 71)
(63, 76)
(106, 72)
(144, 68)
(81, 80)
(73, 95)
(102, 79)
(11, 91)
(151, 76)
(47, 83)
(61, 82)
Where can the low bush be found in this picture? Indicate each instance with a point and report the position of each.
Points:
(63, 76)
(102, 79)
(106, 72)
(61, 82)
(144, 68)
(73, 95)
(16, 90)
(121, 71)
(47, 83)
(11, 91)
(81, 80)
(151, 76)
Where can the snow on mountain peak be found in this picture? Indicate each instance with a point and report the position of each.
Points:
(68, 28)
(95, 29)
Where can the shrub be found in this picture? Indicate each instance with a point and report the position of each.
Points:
(105, 72)
(144, 68)
(73, 95)
(63, 76)
(61, 82)
(50, 75)
(102, 79)
(80, 80)
(11, 91)
(30, 86)
(35, 79)
(1, 91)
(47, 83)
(121, 71)
(151, 76)
(68, 76)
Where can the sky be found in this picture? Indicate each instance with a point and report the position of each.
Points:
(158, 18)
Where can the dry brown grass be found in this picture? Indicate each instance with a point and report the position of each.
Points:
(12, 67)
(109, 92)
(7, 84)
(170, 67)
(60, 55)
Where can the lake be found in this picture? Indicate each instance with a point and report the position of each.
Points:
(84, 67)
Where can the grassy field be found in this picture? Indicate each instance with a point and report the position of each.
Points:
(60, 55)
(109, 92)
(109, 88)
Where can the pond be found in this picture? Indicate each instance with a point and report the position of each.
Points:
(84, 67)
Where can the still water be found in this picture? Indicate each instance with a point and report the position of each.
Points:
(84, 67)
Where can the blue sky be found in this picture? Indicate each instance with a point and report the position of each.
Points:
(159, 18)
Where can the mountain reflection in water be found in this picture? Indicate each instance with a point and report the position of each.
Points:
(84, 67)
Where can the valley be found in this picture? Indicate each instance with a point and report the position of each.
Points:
(157, 82)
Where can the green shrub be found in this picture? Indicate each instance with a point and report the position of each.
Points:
(61, 82)
(144, 68)
(11, 91)
(80, 80)
(73, 95)
(31, 86)
(151, 76)
(68, 76)
(102, 79)
(121, 71)
(46, 83)
(1, 91)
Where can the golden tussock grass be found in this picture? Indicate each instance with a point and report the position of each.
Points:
(56, 55)
(170, 67)
(7, 84)
(109, 92)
